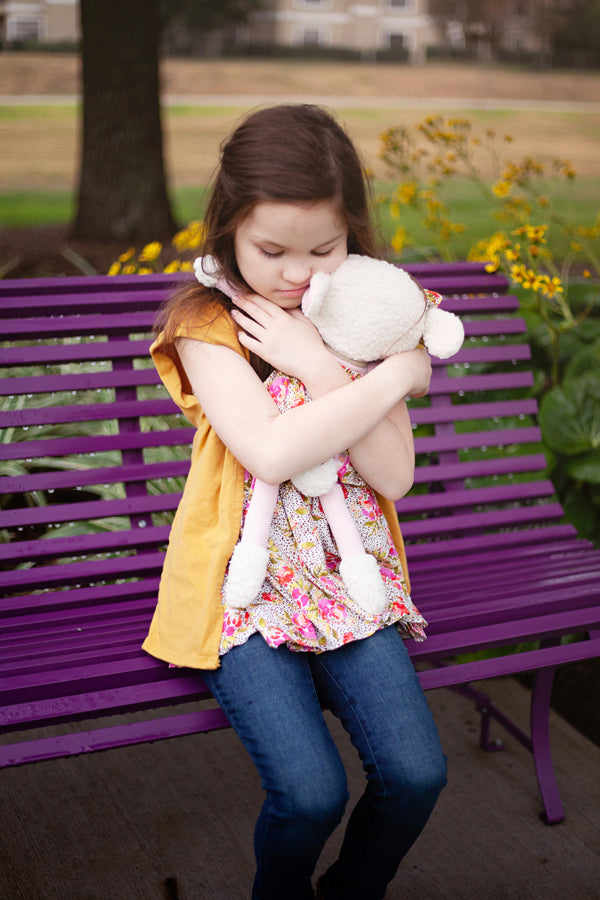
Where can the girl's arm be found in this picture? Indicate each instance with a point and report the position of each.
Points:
(384, 456)
(276, 446)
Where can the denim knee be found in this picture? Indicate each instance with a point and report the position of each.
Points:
(411, 789)
(306, 797)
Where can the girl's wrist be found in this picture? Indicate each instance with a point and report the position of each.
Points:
(399, 374)
(325, 375)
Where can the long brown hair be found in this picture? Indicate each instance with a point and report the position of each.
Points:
(291, 154)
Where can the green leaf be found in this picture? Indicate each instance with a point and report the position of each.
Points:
(582, 514)
(570, 416)
(585, 362)
(585, 467)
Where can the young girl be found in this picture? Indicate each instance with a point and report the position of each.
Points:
(290, 200)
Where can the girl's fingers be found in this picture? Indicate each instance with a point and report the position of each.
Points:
(255, 306)
(245, 322)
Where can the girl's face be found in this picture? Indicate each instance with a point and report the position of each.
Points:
(279, 246)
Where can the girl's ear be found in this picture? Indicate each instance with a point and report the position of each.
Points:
(316, 293)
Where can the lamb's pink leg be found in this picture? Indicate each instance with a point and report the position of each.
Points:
(358, 568)
(250, 558)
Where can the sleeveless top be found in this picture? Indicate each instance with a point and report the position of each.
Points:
(190, 625)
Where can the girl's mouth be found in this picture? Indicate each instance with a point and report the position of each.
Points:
(295, 292)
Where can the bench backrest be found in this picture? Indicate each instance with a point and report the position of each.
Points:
(94, 453)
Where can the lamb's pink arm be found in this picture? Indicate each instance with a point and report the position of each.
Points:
(260, 514)
(341, 523)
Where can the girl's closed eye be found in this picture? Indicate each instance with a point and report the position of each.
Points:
(271, 254)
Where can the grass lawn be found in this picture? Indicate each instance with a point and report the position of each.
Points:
(577, 203)
(38, 165)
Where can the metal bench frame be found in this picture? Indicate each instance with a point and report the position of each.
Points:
(90, 483)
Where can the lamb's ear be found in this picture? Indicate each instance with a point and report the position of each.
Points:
(316, 293)
(206, 270)
(208, 273)
(443, 333)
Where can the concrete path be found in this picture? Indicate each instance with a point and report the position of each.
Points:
(174, 820)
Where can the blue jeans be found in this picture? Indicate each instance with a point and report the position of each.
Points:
(273, 699)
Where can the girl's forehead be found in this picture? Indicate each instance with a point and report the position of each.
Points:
(276, 217)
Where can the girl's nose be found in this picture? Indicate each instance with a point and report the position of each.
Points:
(297, 272)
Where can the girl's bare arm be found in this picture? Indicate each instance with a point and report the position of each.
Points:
(384, 456)
(276, 446)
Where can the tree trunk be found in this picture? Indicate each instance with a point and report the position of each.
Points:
(122, 185)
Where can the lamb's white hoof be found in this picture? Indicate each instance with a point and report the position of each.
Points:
(247, 570)
(317, 481)
(363, 579)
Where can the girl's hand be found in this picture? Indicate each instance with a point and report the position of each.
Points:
(415, 365)
(285, 339)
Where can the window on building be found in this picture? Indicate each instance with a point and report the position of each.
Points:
(397, 41)
(311, 37)
(25, 30)
(398, 4)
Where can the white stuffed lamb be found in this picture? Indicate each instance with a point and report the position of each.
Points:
(364, 311)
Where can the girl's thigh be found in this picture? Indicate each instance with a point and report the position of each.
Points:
(372, 687)
(269, 697)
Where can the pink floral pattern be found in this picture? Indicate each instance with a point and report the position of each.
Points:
(303, 602)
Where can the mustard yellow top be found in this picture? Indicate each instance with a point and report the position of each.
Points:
(188, 620)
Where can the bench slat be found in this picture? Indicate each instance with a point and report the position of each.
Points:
(528, 661)
(82, 381)
(113, 736)
(97, 444)
(122, 409)
(126, 474)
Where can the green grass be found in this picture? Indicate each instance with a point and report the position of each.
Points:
(25, 209)
(24, 113)
(575, 202)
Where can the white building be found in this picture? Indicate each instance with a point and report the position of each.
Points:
(384, 25)
(39, 21)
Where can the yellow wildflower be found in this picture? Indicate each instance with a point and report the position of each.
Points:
(129, 270)
(150, 252)
(190, 237)
(406, 192)
(115, 268)
(549, 287)
(399, 240)
(173, 266)
(127, 255)
(517, 273)
(529, 279)
(144, 270)
(502, 189)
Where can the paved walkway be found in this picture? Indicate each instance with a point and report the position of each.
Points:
(174, 820)
(248, 101)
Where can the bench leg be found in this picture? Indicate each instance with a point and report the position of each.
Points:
(538, 744)
(540, 739)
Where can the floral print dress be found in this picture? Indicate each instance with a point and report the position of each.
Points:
(303, 601)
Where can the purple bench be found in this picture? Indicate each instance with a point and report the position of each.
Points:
(94, 456)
